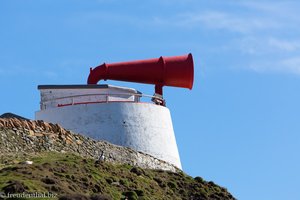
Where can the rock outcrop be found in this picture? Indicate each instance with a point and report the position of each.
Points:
(19, 135)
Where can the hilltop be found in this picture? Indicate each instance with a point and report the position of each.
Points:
(71, 166)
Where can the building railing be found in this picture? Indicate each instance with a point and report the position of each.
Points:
(156, 99)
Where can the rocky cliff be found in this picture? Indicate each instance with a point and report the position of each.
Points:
(27, 136)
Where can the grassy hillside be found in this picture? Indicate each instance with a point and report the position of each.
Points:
(69, 176)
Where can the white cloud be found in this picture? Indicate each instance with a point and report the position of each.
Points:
(271, 54)
(267, 36)
(285, 45)
(291, 65)
(263, 33)
(278, 9)
(285, 65)
(227, 21)
(260, 45)
(244, 17)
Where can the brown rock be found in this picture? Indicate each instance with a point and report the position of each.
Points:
(16, 123)
(47, 126)
(6, 123)
(62, 130)
(79, 142)
(33, 125)
(11, 123)
(31, 133)
(25, 124)
(69, 141)
(1, 122)
(38, 134)
(39, 123)
(52, 136)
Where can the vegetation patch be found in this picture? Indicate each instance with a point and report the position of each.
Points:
(70, 176)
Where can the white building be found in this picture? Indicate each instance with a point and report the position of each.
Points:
(111, 113)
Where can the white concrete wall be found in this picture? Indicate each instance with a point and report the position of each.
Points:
(52, 97)
(142, 126)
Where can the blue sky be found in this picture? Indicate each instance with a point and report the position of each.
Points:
(239, 126)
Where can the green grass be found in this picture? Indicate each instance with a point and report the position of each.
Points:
(72, 174)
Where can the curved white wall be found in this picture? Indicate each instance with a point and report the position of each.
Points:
(144, 127)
